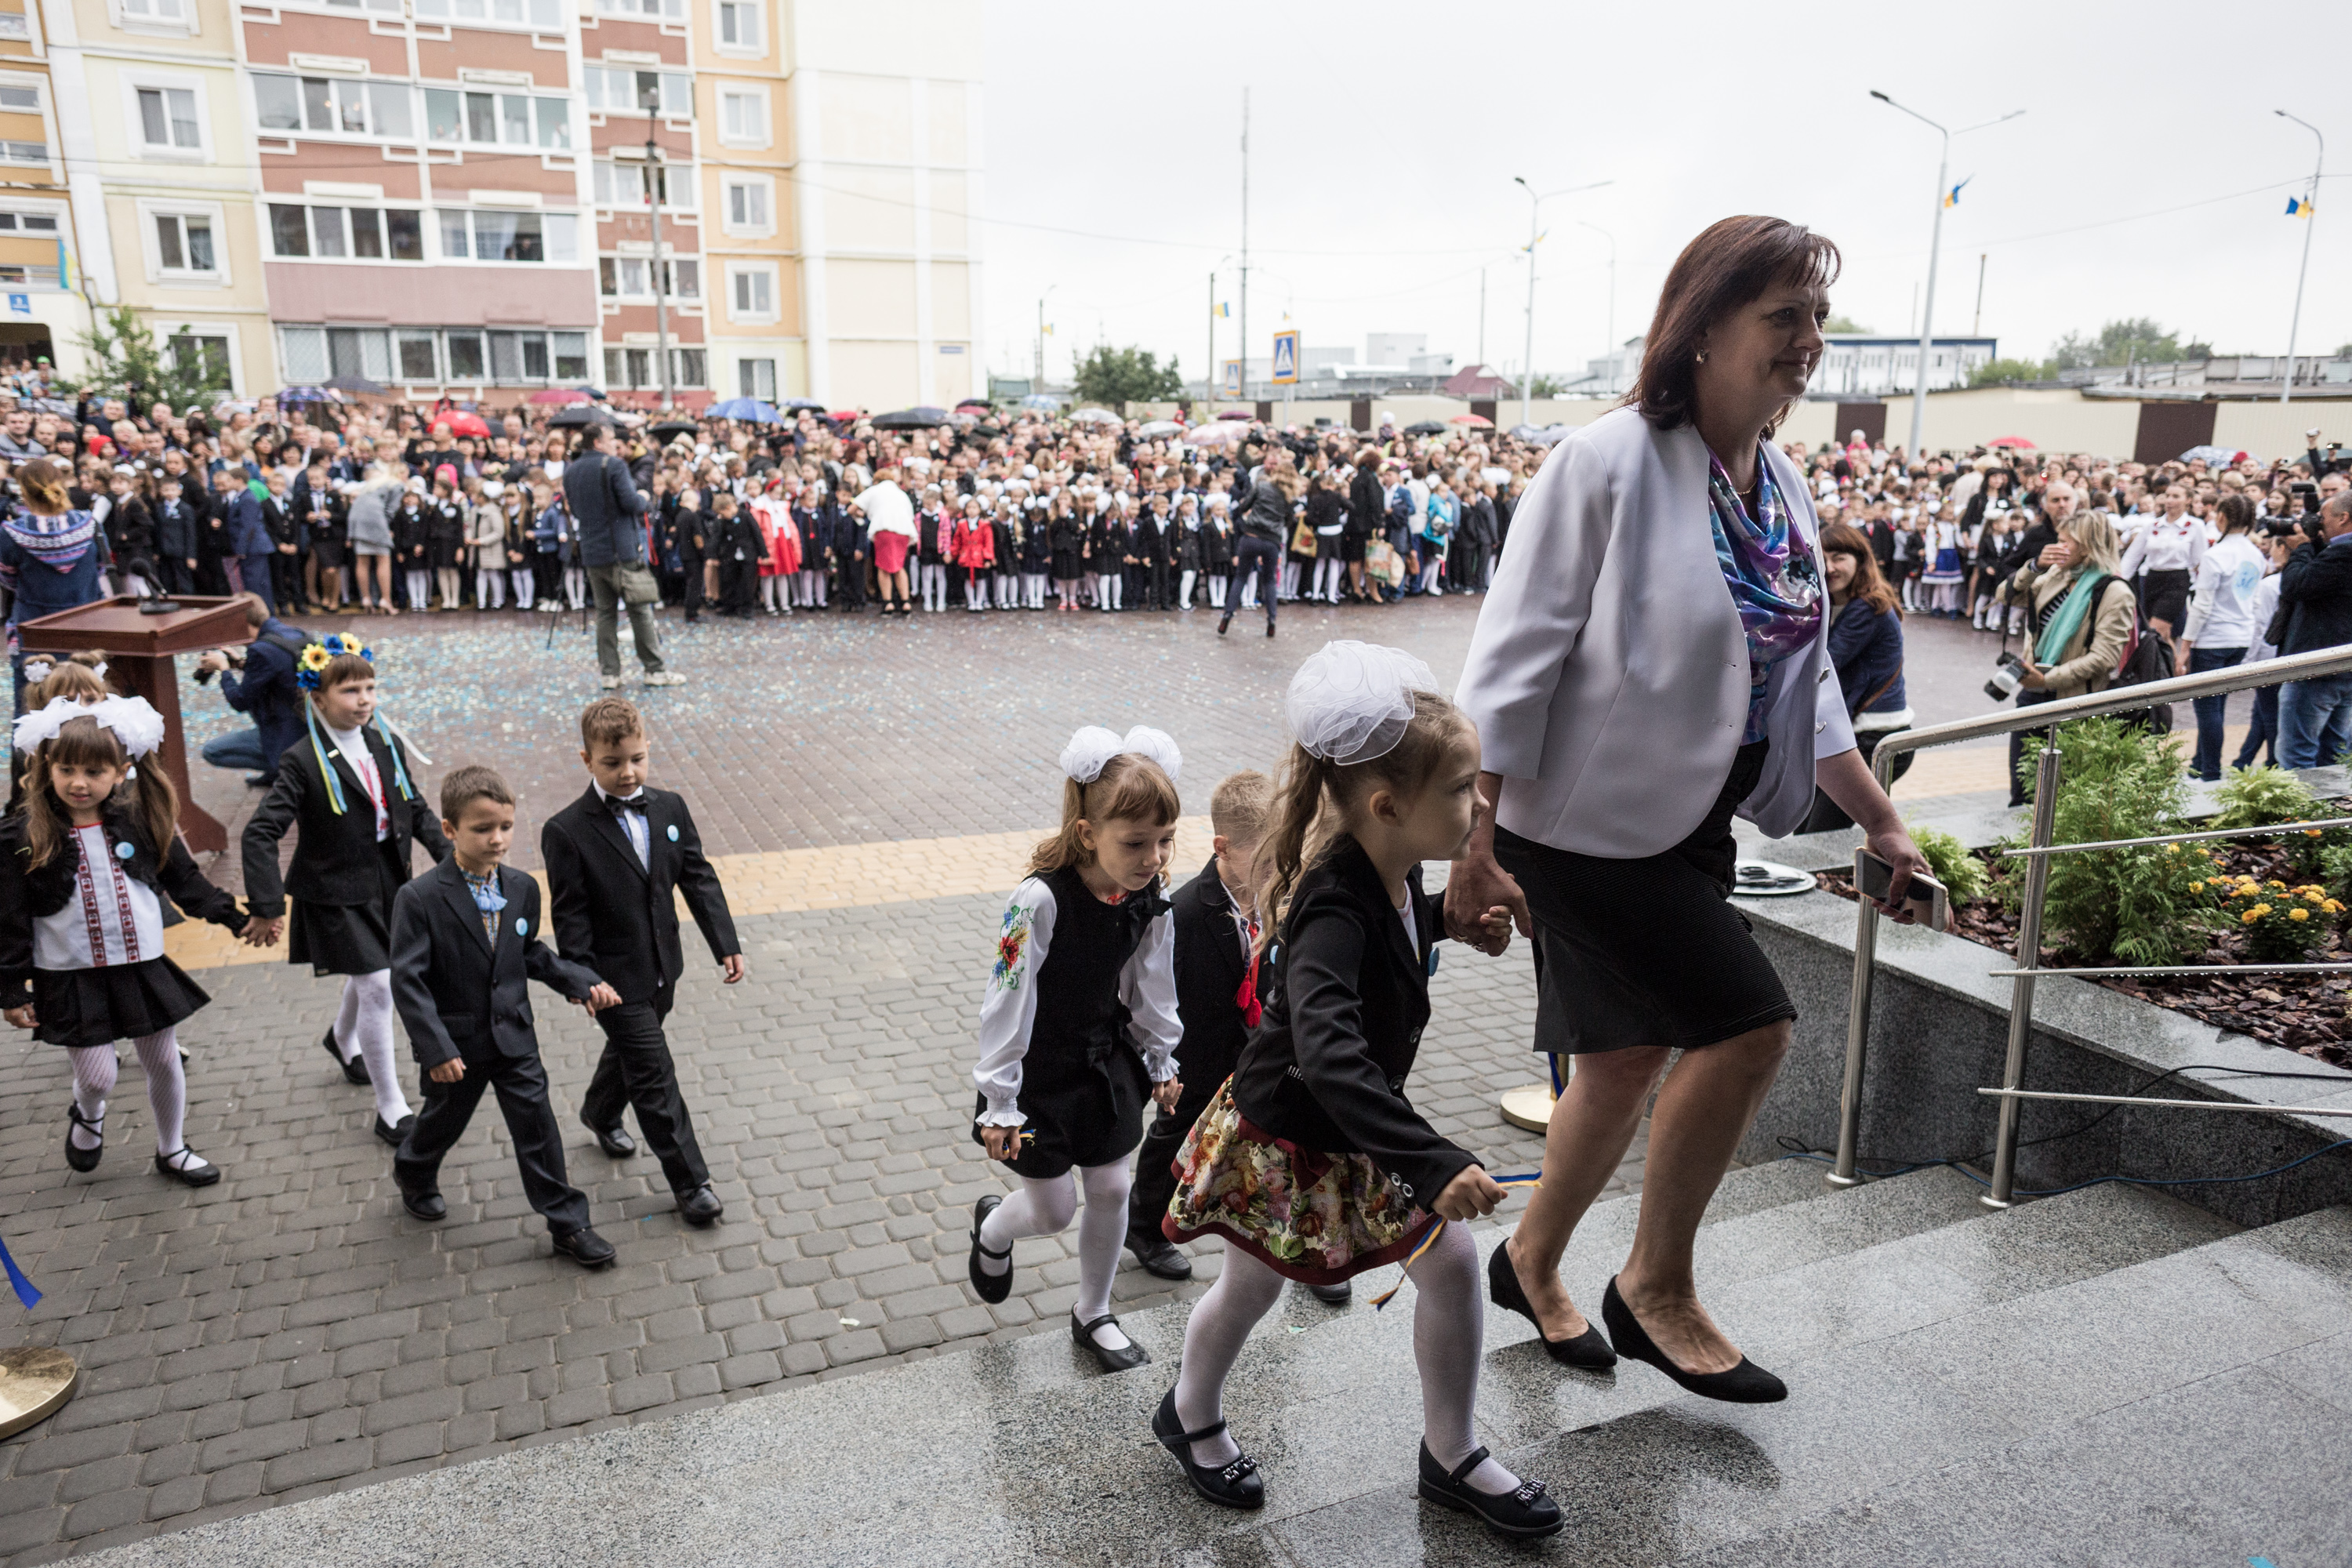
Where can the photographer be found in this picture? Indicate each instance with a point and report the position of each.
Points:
(2315, 611)
(266, 691)
(2079, 610)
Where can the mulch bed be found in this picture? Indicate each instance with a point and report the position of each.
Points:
(2308, 1014)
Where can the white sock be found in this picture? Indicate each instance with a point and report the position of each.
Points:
(364, 1026)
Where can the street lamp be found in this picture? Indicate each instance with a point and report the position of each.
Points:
(2310, 194)
(1612, 298)
(1935, 249)
(1534, 216)
(655, 180)
(1038, 385)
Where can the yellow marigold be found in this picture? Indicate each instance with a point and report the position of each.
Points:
(2314, 833)
(2312, 895)
(2249, 917)
(2172, 849)
(2274, 882)
(2298, 914)
(2260, 910)
(2205, 852)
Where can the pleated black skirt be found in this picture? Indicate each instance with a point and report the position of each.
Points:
(116, 1002)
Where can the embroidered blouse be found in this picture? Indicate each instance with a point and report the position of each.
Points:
(111, 919)
(1771, 576)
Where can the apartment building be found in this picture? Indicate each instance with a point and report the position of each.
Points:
(38, 314)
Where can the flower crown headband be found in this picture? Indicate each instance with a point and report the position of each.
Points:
(1093, 747)
(315, 656)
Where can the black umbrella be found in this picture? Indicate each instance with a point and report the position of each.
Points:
(1426, 428)
(580, 415)
(912, 419)
(794, 405)
(359, 384)
(670, 429)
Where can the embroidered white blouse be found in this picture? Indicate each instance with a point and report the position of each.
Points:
(1147, 985)
(113, 918)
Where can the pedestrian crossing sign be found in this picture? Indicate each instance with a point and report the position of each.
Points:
(1285, 359)
(1230, 380)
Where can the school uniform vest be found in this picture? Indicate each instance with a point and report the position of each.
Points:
(1081, 1023)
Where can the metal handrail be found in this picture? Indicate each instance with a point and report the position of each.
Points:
(2046, 717)
(2272, 830)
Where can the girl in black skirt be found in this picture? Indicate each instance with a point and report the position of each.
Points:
(81, 929)
(349, 785)
(1079, 1025)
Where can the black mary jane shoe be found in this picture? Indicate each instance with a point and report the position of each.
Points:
(1159, 1257)
(1231, 1485)
(1125, 1358)
(1588, 1351)
(355, 1066)
(1337, 1295)
(991, 1287)
(391, 1134)
(1224, 622)
(82, 1159)
(1523, 1514)
(1746, 1383)
(202, 1175)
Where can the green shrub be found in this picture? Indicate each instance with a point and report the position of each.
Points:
(2147, 905)
(2260, 797)
(2283, 924)
(1962, 874)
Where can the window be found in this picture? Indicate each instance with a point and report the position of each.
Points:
(756, 378)
(754, 293)
(739, 25)
(169, 12)
(490, 234)
(360, 351)
(13, 25)
(183, 243)
(571, 350)
(392, 6)
(624, 91)
(366, 234)
(670, 10)
(747, 206)
(466, 361)
(28, 223)
(496, 118)
(418, 360)
(743, 117)
(623, 183)
(632, 277)
(686, 367)
(26, 99)
(24, 152)
(202, 356)
(638, 368)
(534, 12)
(167, 118)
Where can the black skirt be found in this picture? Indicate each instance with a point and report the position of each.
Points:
(345, 939)
(1077, 1115)
(1647, 952)
(116, 1002)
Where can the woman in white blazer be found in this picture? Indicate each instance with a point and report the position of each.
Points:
(1654, 658)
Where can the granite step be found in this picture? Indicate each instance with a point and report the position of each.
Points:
(962, 1458)
(2187, 1410)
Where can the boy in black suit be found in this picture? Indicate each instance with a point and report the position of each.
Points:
(617, 859)
(1216, 999)
(465, 938)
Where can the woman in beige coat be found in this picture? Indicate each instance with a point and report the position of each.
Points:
(2076, 642)
(485, 541)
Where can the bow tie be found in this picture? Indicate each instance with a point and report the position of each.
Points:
(635, 803)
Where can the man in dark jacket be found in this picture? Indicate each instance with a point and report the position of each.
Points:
(267, 693)
(610, 513)
(2315, 606)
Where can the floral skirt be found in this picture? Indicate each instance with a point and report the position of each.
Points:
(1317, 1218)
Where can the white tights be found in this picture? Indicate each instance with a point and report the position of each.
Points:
(1327, 574)
(363, 1024)
(1045, 1208)
(1449, 1320)
(489, 589)
(167, 1088)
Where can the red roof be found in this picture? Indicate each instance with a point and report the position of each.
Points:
(1475, 381)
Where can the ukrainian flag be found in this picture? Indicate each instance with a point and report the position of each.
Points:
(1952, 196)
(2299, 207)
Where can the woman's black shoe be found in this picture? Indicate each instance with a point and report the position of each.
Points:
(992, 1288)
(1232, 1485)
(1746, 1383)
(82, 1159)
(1587, 1350)
(1223, 621)
(354, 1067)
(201, 1174)
(1269, 625)
(1127, 1358)
(1524, 1514)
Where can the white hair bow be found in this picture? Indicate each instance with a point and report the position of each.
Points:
(1093, 746)
(1352, 701)
(138, 726)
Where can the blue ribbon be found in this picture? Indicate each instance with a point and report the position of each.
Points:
(25, 1291)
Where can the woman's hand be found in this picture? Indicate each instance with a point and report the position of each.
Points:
(2034, 676)
(1001, 1143)
(1471, 1194)
(1894, 845)
(1477, 889)
(2060, 554)
(1165, 1095)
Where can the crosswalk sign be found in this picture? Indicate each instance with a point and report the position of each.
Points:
(1230, 380)
(1285, 359)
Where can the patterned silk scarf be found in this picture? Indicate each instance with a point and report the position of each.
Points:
(1770, 573)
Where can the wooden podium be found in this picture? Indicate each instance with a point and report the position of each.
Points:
(138, 651)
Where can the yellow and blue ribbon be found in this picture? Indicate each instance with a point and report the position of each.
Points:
(1532, 1179)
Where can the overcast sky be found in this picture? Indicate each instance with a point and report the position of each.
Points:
(2149, 175)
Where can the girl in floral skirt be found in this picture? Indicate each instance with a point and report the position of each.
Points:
(1311, 1162)
(1079, 1025)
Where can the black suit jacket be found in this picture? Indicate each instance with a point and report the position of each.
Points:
(456, 995)
(621, 917)
(333, 860)
(1210, 960)
(2315, 598)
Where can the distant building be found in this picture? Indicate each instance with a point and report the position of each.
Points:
(1860, 364)
(1394, 348)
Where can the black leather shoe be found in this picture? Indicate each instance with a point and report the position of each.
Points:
(586, 1248)
(1337, 1295)
(1746, 1383)
(203, 1174)
(1524, 1514)
(83, 1159)
(992, 1288)
(355, 1069)
(1234, 1485)
(1269, 625)
(391, 1134)
(423, 1206)
(700, 1206)
(1159, 1255)
(1224, 621)
(1126, 1360)
(614, 1140)
(1587, 1350)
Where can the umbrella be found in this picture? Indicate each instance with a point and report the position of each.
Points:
(670, 429)
(980, 403)
(2013, 441)
(358, 384)
(2212, 456)
(917, 418)
(1480, 420)
(560, 395)
(1426, 427)
(1213, 434)
(1040, 400)
(462, 423)
(1160, 427)
(749, 410)
(1541, 435)
(293, 394)
(1096, 416)
(580, 415)
(794, 405)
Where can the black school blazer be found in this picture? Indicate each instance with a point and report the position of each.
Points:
(456, 995)
(1326, 1068)
(619, 917)
(26, 895)
(1209, 964)
(334, 860)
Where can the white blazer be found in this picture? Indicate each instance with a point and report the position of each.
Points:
(1608, 673)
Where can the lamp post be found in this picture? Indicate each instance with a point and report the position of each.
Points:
(661, 280)
(1038, 384)
(1534, 217)
(2310, 194)
(1935, 250)
(1612, 298)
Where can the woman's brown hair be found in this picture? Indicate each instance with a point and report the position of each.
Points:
(1131, 788)
(44, 480)
(1844, 539)
(85, 743)
(1732, 262)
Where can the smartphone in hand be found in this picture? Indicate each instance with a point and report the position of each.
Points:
(1925, 898)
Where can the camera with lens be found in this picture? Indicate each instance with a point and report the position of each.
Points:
(2007, 675)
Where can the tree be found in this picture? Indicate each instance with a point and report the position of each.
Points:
(1846, 324)
(1546, 386)
(2136, 341)
(1117, 377)
(2010, 371)
(124, 357)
